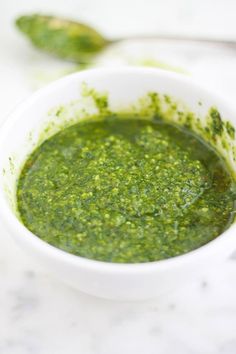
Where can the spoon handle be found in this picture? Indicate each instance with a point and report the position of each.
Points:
(231, 43)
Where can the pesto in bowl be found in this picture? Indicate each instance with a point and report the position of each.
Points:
(126, 190)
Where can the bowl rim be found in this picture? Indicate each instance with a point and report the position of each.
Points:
(222, 242)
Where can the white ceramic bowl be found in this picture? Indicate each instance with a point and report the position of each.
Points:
(108, 280)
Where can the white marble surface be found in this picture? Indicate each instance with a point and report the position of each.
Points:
(38, 314)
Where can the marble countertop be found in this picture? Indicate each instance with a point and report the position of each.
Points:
(38, 314)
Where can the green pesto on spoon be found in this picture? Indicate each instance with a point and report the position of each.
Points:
(63, 38)
(80, 43)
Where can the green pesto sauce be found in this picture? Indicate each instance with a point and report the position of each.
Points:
(126, 190)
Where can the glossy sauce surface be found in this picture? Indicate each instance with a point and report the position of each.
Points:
(125, 190)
